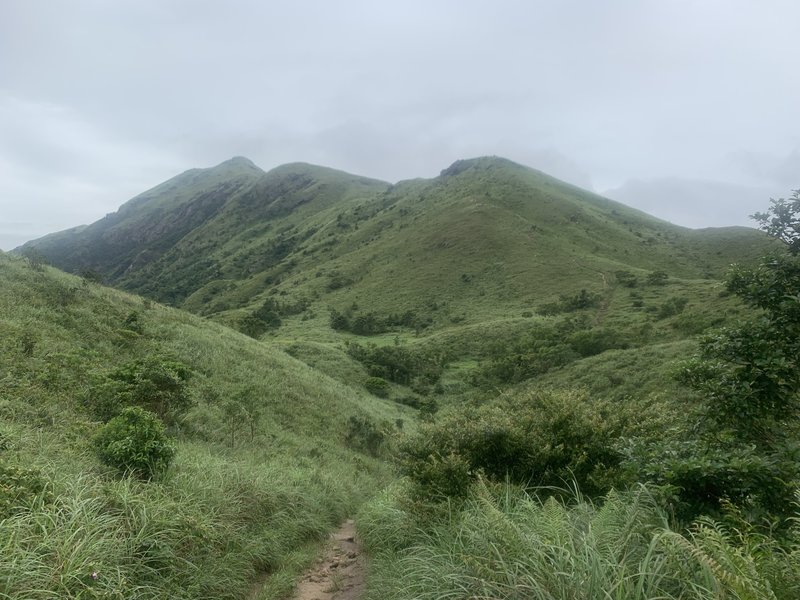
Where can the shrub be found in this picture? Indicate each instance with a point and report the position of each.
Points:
(657, 278)
(594, 341)
(545, 347)
(580, 301)
(20, 488)
(672, 307)
(626, 278)
(364, 435)
(399, 363)
(135, 442)
(377, 386)
(541, 439)
(156, 383)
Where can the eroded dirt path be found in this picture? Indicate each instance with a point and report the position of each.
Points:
(340, 573)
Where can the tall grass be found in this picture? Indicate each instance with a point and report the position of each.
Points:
(228, 513)
(505, 544)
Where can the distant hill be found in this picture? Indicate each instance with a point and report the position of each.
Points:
(485, 236)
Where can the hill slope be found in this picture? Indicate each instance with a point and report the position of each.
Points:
(261, 469)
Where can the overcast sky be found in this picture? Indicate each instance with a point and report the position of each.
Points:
(689, 109)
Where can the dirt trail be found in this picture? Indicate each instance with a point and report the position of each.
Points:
(340, 573)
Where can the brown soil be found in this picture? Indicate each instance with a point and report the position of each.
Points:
(339, 575)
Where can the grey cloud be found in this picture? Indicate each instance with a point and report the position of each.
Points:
(99, 100)
(694, 203)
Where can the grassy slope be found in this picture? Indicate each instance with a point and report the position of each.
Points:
(222, 514)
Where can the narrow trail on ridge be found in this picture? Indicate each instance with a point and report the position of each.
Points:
(341, 572)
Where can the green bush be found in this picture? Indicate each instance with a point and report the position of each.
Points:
(672, 307)
(589, 342)
(156, 383)
(580, 301)
(626, 278)
(657, 278)
(377, 386)
(541, 439)
(400, 364)
(135, 442)
(698, 479)
(364, 435)
(20, 488)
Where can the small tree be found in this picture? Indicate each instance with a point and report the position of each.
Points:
(135, 442)
(377, 386)
(156, 383)
(749, 377)
(782, 220)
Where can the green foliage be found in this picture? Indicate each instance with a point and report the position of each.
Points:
(589, 342)
(506, 544)
(543, 439)
(36, 258)
(542, 349)
(133, 323)
(672, 307)
(135, 442)
(626, 278)
(698, 478)
(223, 516)
(372, 323)
(545, 347)
(377, 386)
(266, 317)
(657, 278)
(749, 378)
(27, 343)
(580, 301)
(782, 220)
(401, 364)
(157, 383)
(365, 435)
(21, 489)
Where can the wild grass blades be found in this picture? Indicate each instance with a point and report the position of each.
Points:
(506, 544)
(222, 513)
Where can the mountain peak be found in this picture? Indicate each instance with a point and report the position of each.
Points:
(482, 162)
(239, 160)
(239, 163)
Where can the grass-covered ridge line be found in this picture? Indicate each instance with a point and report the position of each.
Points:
(485, 237)
(241, 498)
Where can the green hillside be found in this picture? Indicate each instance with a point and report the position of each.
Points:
(267, 459)
(486, 236)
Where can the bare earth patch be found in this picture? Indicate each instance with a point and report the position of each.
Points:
(340, 574)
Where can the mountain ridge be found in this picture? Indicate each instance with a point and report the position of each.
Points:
(485, 233)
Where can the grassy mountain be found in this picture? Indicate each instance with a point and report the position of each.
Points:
(268, 459)
(486, 234)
